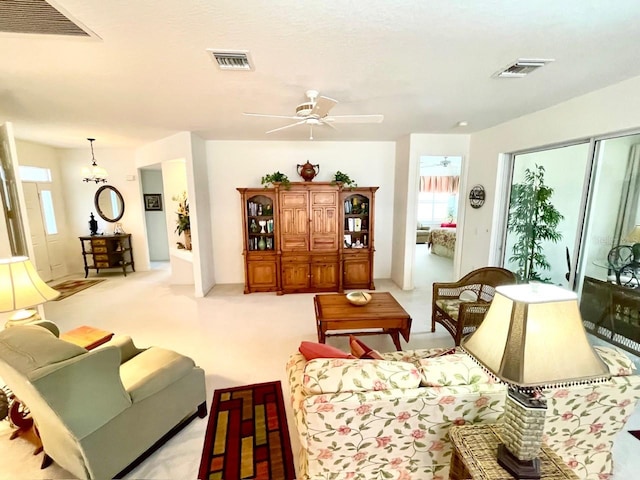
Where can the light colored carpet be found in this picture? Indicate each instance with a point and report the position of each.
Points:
(238, 339)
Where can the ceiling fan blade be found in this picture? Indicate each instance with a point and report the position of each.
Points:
(286, 126)
(322, 106)
(292, 117)
(328, 124)
(355, 119)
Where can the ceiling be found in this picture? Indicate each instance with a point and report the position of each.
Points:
(425, 65)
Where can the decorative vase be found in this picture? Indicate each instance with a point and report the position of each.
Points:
(187, 239)
(308, 171)
(93, 225)
(254, 226)
(262, 244)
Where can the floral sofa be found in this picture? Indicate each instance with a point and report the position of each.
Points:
(389, 419)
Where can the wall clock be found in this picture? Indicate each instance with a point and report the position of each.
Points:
(476, 196)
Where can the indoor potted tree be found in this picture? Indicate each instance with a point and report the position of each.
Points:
(534, 220)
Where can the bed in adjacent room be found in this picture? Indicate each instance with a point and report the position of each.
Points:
(443, 241)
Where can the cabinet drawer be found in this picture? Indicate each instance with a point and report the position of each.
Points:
(102, 264)
(103, 258)
(324, 258)
(295, 258)
(99, 249)
(98, 241)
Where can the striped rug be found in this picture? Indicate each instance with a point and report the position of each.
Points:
(247, 435)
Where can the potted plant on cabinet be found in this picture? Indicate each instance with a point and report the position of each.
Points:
(344, 179)
(534, 220)
(275, 177)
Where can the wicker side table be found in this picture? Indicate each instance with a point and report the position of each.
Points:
(475, 450)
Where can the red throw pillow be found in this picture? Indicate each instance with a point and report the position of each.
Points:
(360, 350)
(312, 350)
(451, 351)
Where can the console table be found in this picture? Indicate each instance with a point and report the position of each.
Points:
(107, 251)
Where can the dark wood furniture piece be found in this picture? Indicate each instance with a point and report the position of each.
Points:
(308, 237)
(107, 251)
(461, 316)
(475, 456)
(87, 337)
(336, 316)
(612, 312)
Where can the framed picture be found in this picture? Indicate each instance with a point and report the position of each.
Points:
(152, 201)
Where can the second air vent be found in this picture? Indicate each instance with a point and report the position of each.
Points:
(231, 59)
(522, 67)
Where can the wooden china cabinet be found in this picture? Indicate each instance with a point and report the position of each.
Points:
(358, 247)
(320, 238)
(261, 263)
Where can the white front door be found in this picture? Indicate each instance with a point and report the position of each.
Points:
(46, 239)
(38, 234)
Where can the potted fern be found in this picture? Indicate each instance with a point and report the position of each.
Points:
(276, 177)
(534, 220)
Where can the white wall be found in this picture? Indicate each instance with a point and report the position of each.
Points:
(155, 220)
(408, 153)
(612, 109)
(79, 200)
(234, 164)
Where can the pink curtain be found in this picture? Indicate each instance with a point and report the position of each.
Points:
(440, 184)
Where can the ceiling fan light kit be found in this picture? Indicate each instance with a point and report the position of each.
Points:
(315, 112)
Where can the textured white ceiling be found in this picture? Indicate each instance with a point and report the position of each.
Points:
(424, 64)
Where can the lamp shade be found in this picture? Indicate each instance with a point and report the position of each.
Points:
(532, 336)
(21, 286)
(634, 235)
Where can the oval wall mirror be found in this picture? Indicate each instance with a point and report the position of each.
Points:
(109, 203)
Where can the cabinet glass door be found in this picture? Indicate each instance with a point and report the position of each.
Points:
(260, 223)
(356, 221)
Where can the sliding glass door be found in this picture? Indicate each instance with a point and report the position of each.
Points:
(574, 220)
(544, 212)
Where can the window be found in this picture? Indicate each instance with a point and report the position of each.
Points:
(34, 174)
(437, 207)
(48, 213)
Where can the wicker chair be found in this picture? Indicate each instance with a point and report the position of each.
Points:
(461, 306)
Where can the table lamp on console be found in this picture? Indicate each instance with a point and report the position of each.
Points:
(532, 338)
(22, 288)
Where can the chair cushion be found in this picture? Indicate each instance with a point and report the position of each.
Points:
(452, 306)
(152, 370)
(19, 343)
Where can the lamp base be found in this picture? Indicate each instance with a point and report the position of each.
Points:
(529, 469)
(22, 317)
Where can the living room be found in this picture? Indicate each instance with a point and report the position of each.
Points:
(215, 168)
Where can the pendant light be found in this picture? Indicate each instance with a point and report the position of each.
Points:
(94, 173)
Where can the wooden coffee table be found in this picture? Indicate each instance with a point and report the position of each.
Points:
(382, 315)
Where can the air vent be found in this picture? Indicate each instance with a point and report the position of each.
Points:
(231, 60)
(522, 67)
(37, 17)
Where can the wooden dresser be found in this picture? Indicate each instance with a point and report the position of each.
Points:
(107, 251)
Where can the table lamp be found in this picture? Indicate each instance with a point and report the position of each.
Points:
(532, 338)
(20, 288)
(634, 237)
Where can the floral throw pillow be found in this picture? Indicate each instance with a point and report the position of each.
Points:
(452, 370)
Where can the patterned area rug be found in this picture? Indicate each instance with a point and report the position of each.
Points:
(70, 287)
(247, 435)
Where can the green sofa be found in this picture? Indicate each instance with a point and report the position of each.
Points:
(98, 411)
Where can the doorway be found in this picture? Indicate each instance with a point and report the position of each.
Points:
(48, 246)
(437, 212)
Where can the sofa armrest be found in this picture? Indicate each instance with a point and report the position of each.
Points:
(153, 370)
(125, 344)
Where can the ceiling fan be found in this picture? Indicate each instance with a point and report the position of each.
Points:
(315, 112)
(445, 162)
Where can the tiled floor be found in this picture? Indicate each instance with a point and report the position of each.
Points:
(238, 339)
